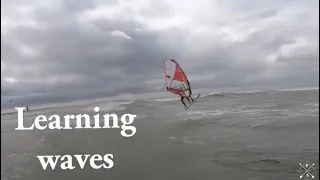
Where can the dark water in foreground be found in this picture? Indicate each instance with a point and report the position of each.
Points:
(262, 135)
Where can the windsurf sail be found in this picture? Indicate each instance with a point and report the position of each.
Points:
(176, 80)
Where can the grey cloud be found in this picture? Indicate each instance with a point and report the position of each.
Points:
(76, 59)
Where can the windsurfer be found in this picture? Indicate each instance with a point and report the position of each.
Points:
(183, 95)
(190, 92)
(183, 89)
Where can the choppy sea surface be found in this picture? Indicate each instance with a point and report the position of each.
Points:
(227, 136)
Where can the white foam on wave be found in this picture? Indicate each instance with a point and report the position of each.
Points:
(192, 140)
(304, 112)
(162, 99)
(200, 114)
(248, 111)
(111, 105)
(142, 116)
(312, 104)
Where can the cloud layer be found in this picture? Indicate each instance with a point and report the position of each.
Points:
(57, 50)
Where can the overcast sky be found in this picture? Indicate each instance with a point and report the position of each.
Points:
(54, 50)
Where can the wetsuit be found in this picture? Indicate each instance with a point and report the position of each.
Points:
(190, 93)
(181, 94)
(181, 99)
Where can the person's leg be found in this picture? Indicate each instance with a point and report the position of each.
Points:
(183, 101)
(190, 92)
